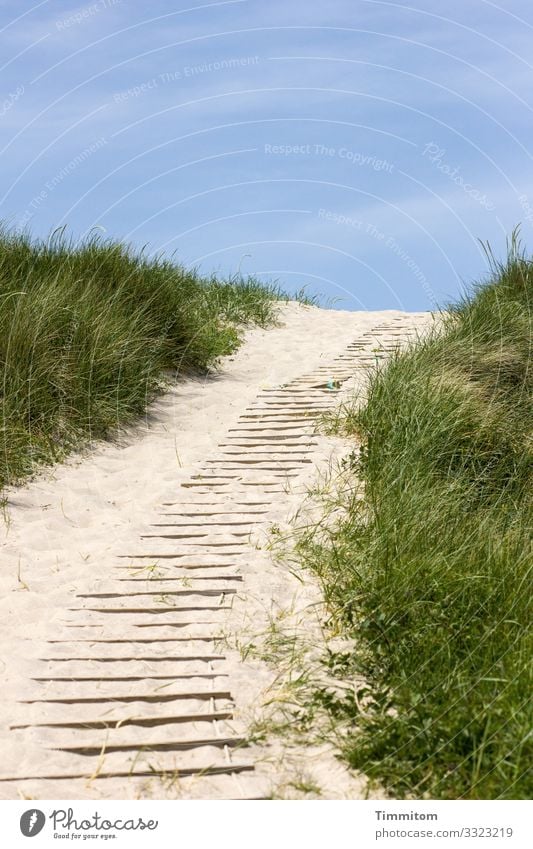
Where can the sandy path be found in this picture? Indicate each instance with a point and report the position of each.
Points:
(121, 571)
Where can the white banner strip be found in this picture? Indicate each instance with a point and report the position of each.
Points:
(276, 825)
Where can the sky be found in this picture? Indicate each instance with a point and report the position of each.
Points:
(362, 149)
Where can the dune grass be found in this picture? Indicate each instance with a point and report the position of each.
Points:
(86, 331)
(431, 572)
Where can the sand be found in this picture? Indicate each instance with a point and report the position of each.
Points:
(134, 579)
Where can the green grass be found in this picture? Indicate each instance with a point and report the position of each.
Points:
(431, 572)
(86, 332)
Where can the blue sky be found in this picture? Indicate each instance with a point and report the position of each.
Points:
(360, 148)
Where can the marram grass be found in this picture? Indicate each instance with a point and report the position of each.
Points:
(431, 572)
(86, 331)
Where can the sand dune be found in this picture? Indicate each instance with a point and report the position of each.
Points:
(122, 569)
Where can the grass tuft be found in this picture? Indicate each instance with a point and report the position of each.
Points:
(430, 573)
(87, 330)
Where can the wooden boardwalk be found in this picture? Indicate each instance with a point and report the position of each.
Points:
(133, 685)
